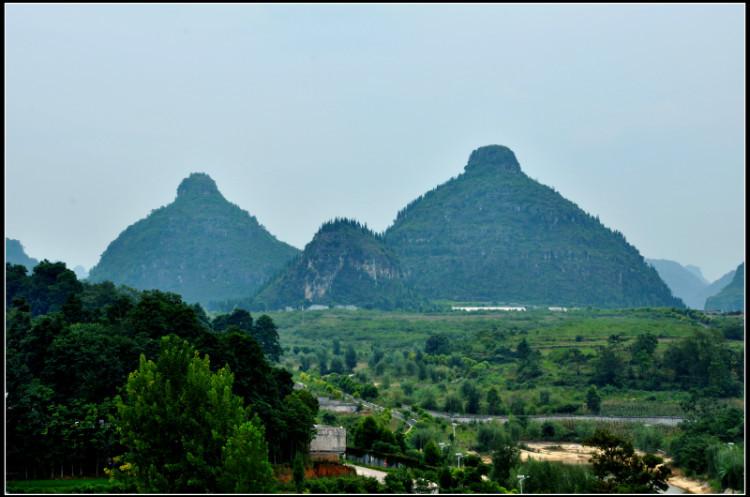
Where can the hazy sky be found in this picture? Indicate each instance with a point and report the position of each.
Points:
(302, 113)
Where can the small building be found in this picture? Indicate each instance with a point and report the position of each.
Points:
(504, 308)
(317, 307)
(329, 443)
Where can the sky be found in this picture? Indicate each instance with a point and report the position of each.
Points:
(302, 113)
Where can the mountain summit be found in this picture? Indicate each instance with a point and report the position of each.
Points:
(494, 234)
(200, 246)
(344, 264)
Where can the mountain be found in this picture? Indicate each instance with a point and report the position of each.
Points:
(732, 297)
(715, 287)
(81, 272)
(15, 254)
(685, 283)
(697, 272)
(344, 264)
(200, 246)
(494, 234)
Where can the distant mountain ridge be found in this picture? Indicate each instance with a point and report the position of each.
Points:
(494, 234)
(15, 254)
(687, 284)
(344, 264)
(200, 246)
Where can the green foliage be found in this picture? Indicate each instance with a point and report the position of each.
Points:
(620, 470)
(185, 431)
(708, 425)
(732, 297)
(505, 457)
(245, 466)
(298, 472)
(65, 366)
(345, 485)
(46, 290)
(494, 234)
(703, 362)
(437, 345)
(726, 464)
(350, 358)
(267, 335)
(399, 481)
(593, 400)
(548, 477)
(200, 246)
(344, 264)
(432, 454)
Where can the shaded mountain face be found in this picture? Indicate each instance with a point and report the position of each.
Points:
(683, 281)
(732, 297)
(717, 286)
(15, 254)
(494, 234)
(344, 264)
(200, 246)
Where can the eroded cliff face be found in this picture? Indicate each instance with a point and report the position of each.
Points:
(344, 264)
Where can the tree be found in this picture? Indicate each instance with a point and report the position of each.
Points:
(351, 358)
(523, 350)
(437, 344)
(298, 472)
(239, 318)
(593, 400)
(494, 402)
(608, 368)
(453, 404)
(399, 481)
(620, 470)
(267, 335)
(245, 466)
(336, 346)
(185, 431)
(504, 458)
(432, 454)
(337, 366)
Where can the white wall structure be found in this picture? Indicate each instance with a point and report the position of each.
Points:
(328, 440)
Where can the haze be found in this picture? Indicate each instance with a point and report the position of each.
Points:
(305, 112)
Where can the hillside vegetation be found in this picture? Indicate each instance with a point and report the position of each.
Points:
(494, 234)
(344, 264)
(732, 297)
(200, 246)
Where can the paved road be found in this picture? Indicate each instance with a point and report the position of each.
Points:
(372, 473)
(654, 420)
(479, 418)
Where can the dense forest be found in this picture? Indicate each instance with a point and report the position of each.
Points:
(79, 357)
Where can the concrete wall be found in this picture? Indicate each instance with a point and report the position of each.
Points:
(329, 439)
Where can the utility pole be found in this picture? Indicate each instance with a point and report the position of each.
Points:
(521, 478)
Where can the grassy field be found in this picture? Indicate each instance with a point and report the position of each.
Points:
(63, 486)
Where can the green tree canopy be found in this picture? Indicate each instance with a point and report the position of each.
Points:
(185, 431)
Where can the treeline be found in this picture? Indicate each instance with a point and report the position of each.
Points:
(71, 346)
